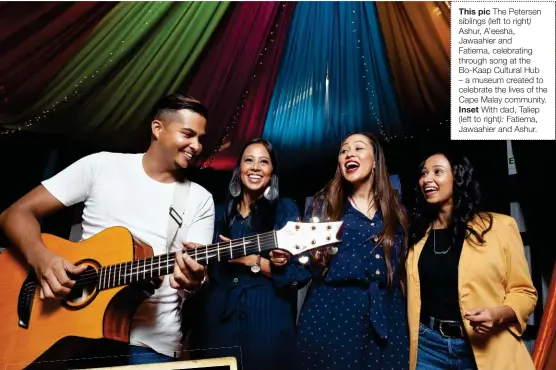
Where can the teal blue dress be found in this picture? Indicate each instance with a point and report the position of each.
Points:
(246, 315)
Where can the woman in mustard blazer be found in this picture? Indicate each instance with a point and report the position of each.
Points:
(468, 283)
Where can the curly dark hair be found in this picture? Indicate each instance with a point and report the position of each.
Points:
(466, 205)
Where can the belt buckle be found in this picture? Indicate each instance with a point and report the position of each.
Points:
(450, 336)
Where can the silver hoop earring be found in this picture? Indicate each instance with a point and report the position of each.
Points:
(270, 193)
(235, 189)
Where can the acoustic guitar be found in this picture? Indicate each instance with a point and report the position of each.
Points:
(120, 268)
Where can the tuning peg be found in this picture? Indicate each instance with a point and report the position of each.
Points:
(333, 250)
(303, 260)
(315, 219)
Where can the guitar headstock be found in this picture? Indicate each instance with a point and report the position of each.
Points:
(299, 237)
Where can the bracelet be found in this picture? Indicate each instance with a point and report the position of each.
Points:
(203, 282)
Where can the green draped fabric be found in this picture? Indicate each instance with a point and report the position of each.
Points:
(138, 53)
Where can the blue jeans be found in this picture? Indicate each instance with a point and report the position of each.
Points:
(141, 355)
(439, 353)
(102, 353)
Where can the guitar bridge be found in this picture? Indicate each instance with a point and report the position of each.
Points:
(25, 299)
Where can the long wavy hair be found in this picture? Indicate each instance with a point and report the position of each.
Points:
(466, 205)
(334, 197)
(263, 210)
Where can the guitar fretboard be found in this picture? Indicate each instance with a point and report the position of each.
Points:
(149, 268)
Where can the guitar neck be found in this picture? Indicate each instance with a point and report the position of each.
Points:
(148, 268)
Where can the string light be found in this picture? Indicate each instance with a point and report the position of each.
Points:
(79, 86)
(412, 137)
(243, 100)
(366, 77)
(368, 86)
(82, 84)
(237, 115)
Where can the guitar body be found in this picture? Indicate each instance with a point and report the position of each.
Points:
(121, 273)
(90, 314)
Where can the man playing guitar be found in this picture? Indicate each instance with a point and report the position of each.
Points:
(133, 191)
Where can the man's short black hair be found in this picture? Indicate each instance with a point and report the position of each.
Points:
(176, 102)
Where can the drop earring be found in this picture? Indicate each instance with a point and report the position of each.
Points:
(235, 189)
(270, 193)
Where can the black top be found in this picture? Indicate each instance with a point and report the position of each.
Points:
(438, 275)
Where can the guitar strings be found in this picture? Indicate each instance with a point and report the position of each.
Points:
(221, 248)
(94, 277)
(90, 277)
(202, 251)
(116, 274)
(223, 251)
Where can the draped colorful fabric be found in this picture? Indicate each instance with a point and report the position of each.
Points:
(251, 118)
(251, 39)
(544, 352)
(417, 38)
(138, 53)
(334, 80)
(36, 41)
(303, 75)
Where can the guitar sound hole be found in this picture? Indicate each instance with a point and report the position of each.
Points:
(85, 288)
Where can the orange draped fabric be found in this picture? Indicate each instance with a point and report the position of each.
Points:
(544, 353)
(417, 39)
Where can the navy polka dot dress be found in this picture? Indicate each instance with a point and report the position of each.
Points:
(350, 319)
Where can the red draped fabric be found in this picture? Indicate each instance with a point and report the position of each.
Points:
(544, 353)
(236, 75)
(252, 117)
(36, 39)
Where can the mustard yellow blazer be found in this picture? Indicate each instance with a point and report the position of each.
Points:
(490, 275)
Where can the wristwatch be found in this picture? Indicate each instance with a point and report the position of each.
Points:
(257, 266)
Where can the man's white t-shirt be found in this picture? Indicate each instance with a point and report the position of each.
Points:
(117, 191)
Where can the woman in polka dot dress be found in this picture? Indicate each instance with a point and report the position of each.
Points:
(354, 313)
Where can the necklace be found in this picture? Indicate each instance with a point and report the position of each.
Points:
(434, 244)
